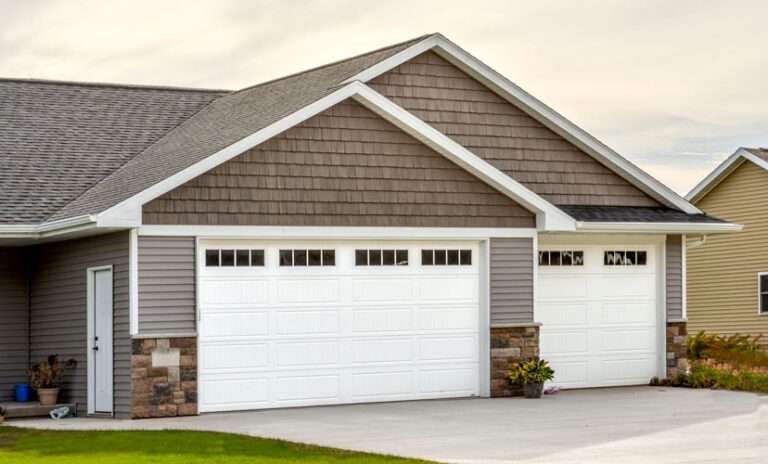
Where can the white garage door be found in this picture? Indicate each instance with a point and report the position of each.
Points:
(598, 308)
(294, 324)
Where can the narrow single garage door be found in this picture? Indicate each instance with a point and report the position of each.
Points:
(292, 324)
(598, 307)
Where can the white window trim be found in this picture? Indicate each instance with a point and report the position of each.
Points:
(760, 311)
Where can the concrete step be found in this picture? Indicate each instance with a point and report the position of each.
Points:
(33, 409)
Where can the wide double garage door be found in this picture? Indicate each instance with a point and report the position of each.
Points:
(292, 324)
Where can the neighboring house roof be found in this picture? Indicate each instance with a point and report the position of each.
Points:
(218, 125)
(759, 156)
(57, 139)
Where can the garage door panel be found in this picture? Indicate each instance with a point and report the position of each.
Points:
(234, 292)
(448, 348)
(563, 287)
(223, 393)
(312, 387)
(234, 356)
(340, 334)
(628, 369)
(382, 351)
(448, 381)
(557, 343)
(448, 319)
(449, 288)
(383, 384)
(308, 291)
(314, 322)
(629, 340)
(628, 312)
(379, 290)
(569, 315)
(320, 353)
(599, 322)
(235, 324)
(382, 320)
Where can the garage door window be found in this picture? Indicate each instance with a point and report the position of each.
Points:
(446, 257)
(625, 258)
(231, 258)
(381, 257)
(314, 257)
(561, 258)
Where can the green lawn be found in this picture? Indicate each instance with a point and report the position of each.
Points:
(19, 445)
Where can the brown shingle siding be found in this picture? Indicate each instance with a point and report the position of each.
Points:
(343, 167)
(505, 136)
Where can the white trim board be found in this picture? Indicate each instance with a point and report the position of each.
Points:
(334, 233)
(536, 109)
(133, 281)
(721, 172)
(549, 217)
(658, 227)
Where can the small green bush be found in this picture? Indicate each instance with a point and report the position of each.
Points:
(743, 351)
(709, 374)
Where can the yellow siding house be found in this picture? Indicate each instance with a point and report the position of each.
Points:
(727, 275)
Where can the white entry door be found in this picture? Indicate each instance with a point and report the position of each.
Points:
(100, 330)
(598, 306)
(295, 324)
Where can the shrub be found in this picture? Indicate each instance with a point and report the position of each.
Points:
(738, 350)
(523, 373)
(711, 374)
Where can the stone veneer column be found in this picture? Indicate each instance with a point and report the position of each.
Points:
(677, 359)
(164, 377)
(510, 344)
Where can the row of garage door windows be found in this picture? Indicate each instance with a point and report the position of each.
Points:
(576, 258)
(318, 257)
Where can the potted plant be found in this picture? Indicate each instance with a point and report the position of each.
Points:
(46, 376)
(531, 375)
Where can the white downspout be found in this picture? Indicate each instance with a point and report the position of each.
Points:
(697, 243)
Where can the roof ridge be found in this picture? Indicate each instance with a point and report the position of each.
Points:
(333, 63)
(111, 84)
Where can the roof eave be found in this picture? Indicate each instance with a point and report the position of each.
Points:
(48, 229)
(658, 227)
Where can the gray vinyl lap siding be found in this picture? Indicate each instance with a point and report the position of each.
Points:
(166, 285)
(511, 280)
(13, 321)
(58, 311)
(674, 277)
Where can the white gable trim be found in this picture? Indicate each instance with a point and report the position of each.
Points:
(535, 109)
(721, 172)
(549, 218)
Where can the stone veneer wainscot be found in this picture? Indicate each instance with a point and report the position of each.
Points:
(510, 344)
(164, 377)
(677, 360)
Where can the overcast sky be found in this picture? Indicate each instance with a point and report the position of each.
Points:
(674, 86)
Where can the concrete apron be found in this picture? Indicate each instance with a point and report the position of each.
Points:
(628, 425)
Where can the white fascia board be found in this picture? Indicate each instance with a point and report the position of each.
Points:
(721, 172)
(537, 110)
(549, 217)
(48, 229)
(657, 227)
(335, 233)
(133, 281)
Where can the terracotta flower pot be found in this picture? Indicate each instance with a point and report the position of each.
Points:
(533, 390)
(48, 396)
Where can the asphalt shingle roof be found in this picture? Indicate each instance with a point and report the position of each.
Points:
(58, 139)
(634, 214)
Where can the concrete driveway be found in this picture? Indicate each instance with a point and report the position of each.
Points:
(611, 425)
